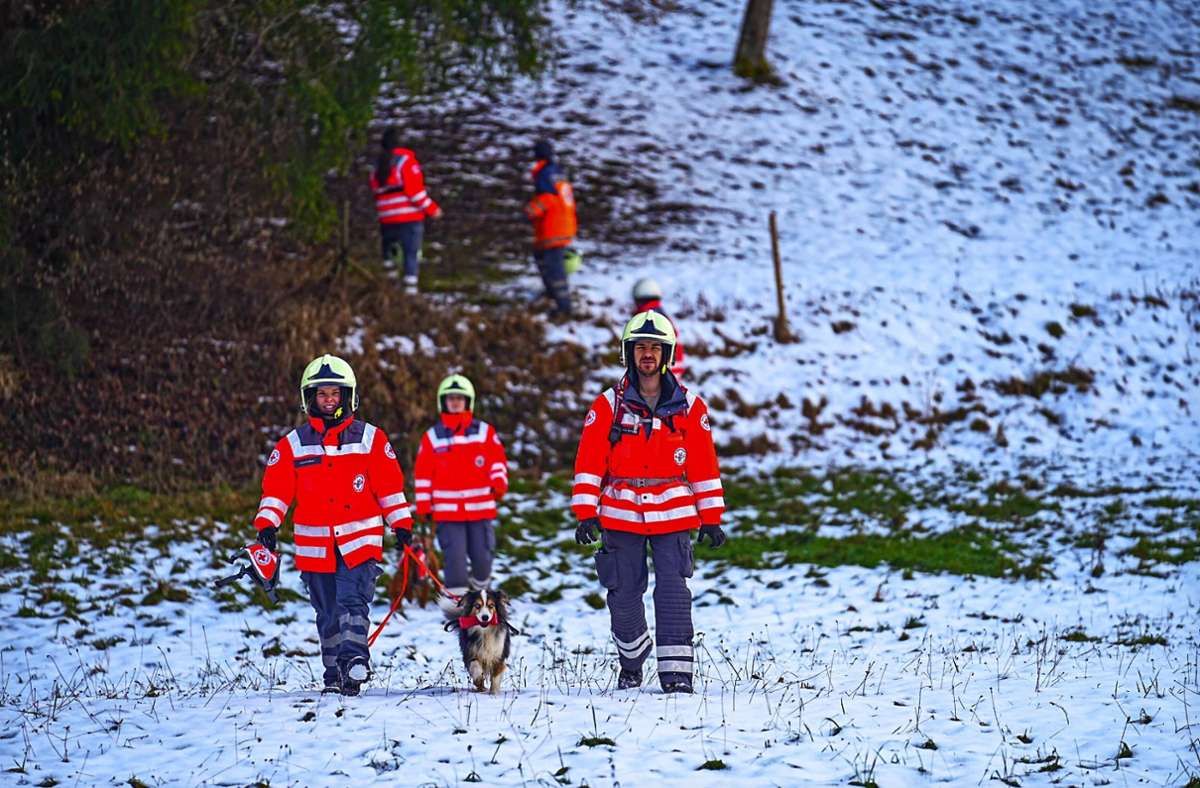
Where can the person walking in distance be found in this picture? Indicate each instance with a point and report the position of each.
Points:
(343, 476)
(552, 213)
(646, 476)
(460, 473)
(401, 204)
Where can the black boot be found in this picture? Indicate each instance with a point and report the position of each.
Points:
(629, 679)
(354, 675)
(332, 686)
(676, 682)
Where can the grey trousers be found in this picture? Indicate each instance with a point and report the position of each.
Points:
(621, 567)
(342, 601)
(476, 540)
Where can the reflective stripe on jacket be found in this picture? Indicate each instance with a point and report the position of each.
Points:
(461, 470)
(347, 486)
(648, 473)
(402, 196)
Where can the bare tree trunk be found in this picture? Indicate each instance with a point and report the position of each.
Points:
(751, 58)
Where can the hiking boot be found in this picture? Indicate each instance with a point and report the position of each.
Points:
(355, 675)
(332, 686)
(629, 679)
(677, 682)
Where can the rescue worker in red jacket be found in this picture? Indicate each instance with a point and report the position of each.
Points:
(552, 213)
(460, 473)
(401, 203)
(343, 476)
(646, 474)
(647, 295)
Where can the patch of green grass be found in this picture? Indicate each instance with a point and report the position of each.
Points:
(1165, 551)
(596, 741)
(714, 764)
(1145, 639)
(1003, 504)
(594, 601)
(516, 586)
(165, 592)
(1079, 636)
(969, 550)
(779, 498)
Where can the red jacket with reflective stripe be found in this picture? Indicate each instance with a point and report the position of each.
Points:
(674, 444)
(402, 197)
(346, 484)
(656, 305)
(461, 470)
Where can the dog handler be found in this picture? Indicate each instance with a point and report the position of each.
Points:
(347, 485)
(460, 473)
(646, 474)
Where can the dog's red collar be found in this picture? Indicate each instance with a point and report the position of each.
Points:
(466, 622)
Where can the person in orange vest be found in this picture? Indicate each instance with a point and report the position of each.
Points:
(401, 204)
(646, 475)
(343, 475)
(460, 473)
(647, 295)
(552, 213)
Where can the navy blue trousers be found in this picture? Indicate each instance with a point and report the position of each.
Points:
(342, 601)
(554, 276)
(621, 566)
(405, 238)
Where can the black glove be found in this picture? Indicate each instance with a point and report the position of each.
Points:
(266, 538)
(714, 533)
(587, 530)
(403, 540)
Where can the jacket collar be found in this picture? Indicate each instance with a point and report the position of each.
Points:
(329, 436)
(457, 422)
(671, 400)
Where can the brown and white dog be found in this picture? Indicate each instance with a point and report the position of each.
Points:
(484, 636)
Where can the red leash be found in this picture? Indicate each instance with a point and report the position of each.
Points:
(422, 571)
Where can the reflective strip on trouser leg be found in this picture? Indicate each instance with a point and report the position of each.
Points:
(355, 589)
(625, 605)
(673, 602)
(323, 596)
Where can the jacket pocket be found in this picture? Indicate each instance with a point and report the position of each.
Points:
(606, 569)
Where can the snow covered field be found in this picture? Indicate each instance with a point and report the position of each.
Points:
(804, 675)
(988, 214)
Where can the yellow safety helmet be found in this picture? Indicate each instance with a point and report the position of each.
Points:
(328, 370)
(456, 384)
(653, 326)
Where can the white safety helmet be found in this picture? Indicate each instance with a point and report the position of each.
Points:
(646, 289)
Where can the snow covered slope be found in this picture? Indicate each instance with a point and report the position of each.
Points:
(988, 215)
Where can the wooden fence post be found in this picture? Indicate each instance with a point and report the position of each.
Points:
(783, 333)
